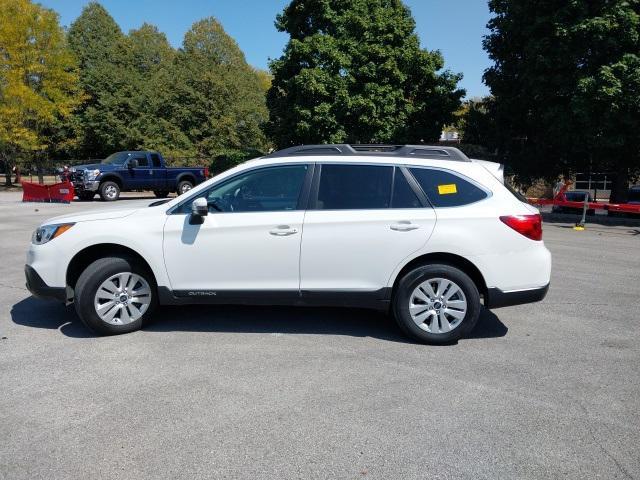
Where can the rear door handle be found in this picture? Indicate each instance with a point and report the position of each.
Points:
(404, 226)
(283, 231)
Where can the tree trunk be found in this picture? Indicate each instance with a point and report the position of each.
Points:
(620, 187)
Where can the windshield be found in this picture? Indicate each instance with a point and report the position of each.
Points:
(116, 158)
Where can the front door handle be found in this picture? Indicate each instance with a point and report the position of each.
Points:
(283, 231)
(404, 226)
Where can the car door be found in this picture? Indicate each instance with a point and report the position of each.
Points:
(141, 176)
(363, 221)
(249, 243)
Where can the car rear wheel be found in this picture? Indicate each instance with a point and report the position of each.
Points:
(161, 193)
(436, 303)
(115, 295)
(184, 186)
(109, 191)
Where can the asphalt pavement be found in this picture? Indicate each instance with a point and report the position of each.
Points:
(548, 390)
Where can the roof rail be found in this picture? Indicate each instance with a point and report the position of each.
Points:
(435, 152)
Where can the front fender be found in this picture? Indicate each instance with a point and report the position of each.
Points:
(140, 232)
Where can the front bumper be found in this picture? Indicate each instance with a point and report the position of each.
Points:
(40, 289)
(496, 298)
(88, 186)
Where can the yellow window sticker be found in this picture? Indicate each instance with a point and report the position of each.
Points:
(447, 189)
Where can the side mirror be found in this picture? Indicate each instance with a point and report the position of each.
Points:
(200, 207)
(133, 163)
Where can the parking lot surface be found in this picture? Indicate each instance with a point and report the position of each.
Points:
(548, 390)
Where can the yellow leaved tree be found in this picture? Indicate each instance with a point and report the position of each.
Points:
(38, 82)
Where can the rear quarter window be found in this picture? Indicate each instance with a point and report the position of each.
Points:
(445, 189)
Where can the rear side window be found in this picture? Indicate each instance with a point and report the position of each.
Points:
(403, 195)
(444, 189)
(354, 187)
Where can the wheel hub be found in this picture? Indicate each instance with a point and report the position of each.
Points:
(438, 305)
(122, 298)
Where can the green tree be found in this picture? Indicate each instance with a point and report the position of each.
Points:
(105, 56)
(353, 71)
(152, 67)
(566, 85)
(217, 99)
(38, 82)
(475, 122)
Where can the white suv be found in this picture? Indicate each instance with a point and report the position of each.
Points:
(422, 232)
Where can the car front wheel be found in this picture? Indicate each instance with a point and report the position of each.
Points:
(109, 191)
(436, 303)
(115, 295)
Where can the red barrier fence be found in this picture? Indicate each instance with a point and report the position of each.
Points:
(560, 200)
(56, 193)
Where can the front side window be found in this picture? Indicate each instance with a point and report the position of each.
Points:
(270, 189)
(354, 187)
(142, 160)
(444, 189)
(155, 160)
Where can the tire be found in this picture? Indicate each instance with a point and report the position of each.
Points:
(184, 186)
(109, 191)
(161, 193)
(439, 276)
(103, 276)
(86, 196)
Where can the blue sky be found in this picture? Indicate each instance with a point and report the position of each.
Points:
(453, 27)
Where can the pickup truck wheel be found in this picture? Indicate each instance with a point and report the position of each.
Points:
(436, 304)
(184, 186)
(161, 193)
(109, 191)
(115, 295)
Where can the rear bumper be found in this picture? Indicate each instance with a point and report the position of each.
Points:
(40, 289)
(496, 298)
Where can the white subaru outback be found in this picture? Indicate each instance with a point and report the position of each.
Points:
(422, 232)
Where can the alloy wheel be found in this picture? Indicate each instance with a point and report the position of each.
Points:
(122, 298)
(437, 305)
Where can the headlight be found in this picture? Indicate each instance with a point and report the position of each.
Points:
(92, 174)
(46, 233)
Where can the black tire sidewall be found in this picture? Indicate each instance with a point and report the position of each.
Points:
(103, 186)
(92, 278)
(412, 279)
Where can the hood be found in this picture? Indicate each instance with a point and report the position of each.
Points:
(90, 166)
(90, 216)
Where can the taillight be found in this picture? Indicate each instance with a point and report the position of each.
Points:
(206, 172)
(528, 225)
